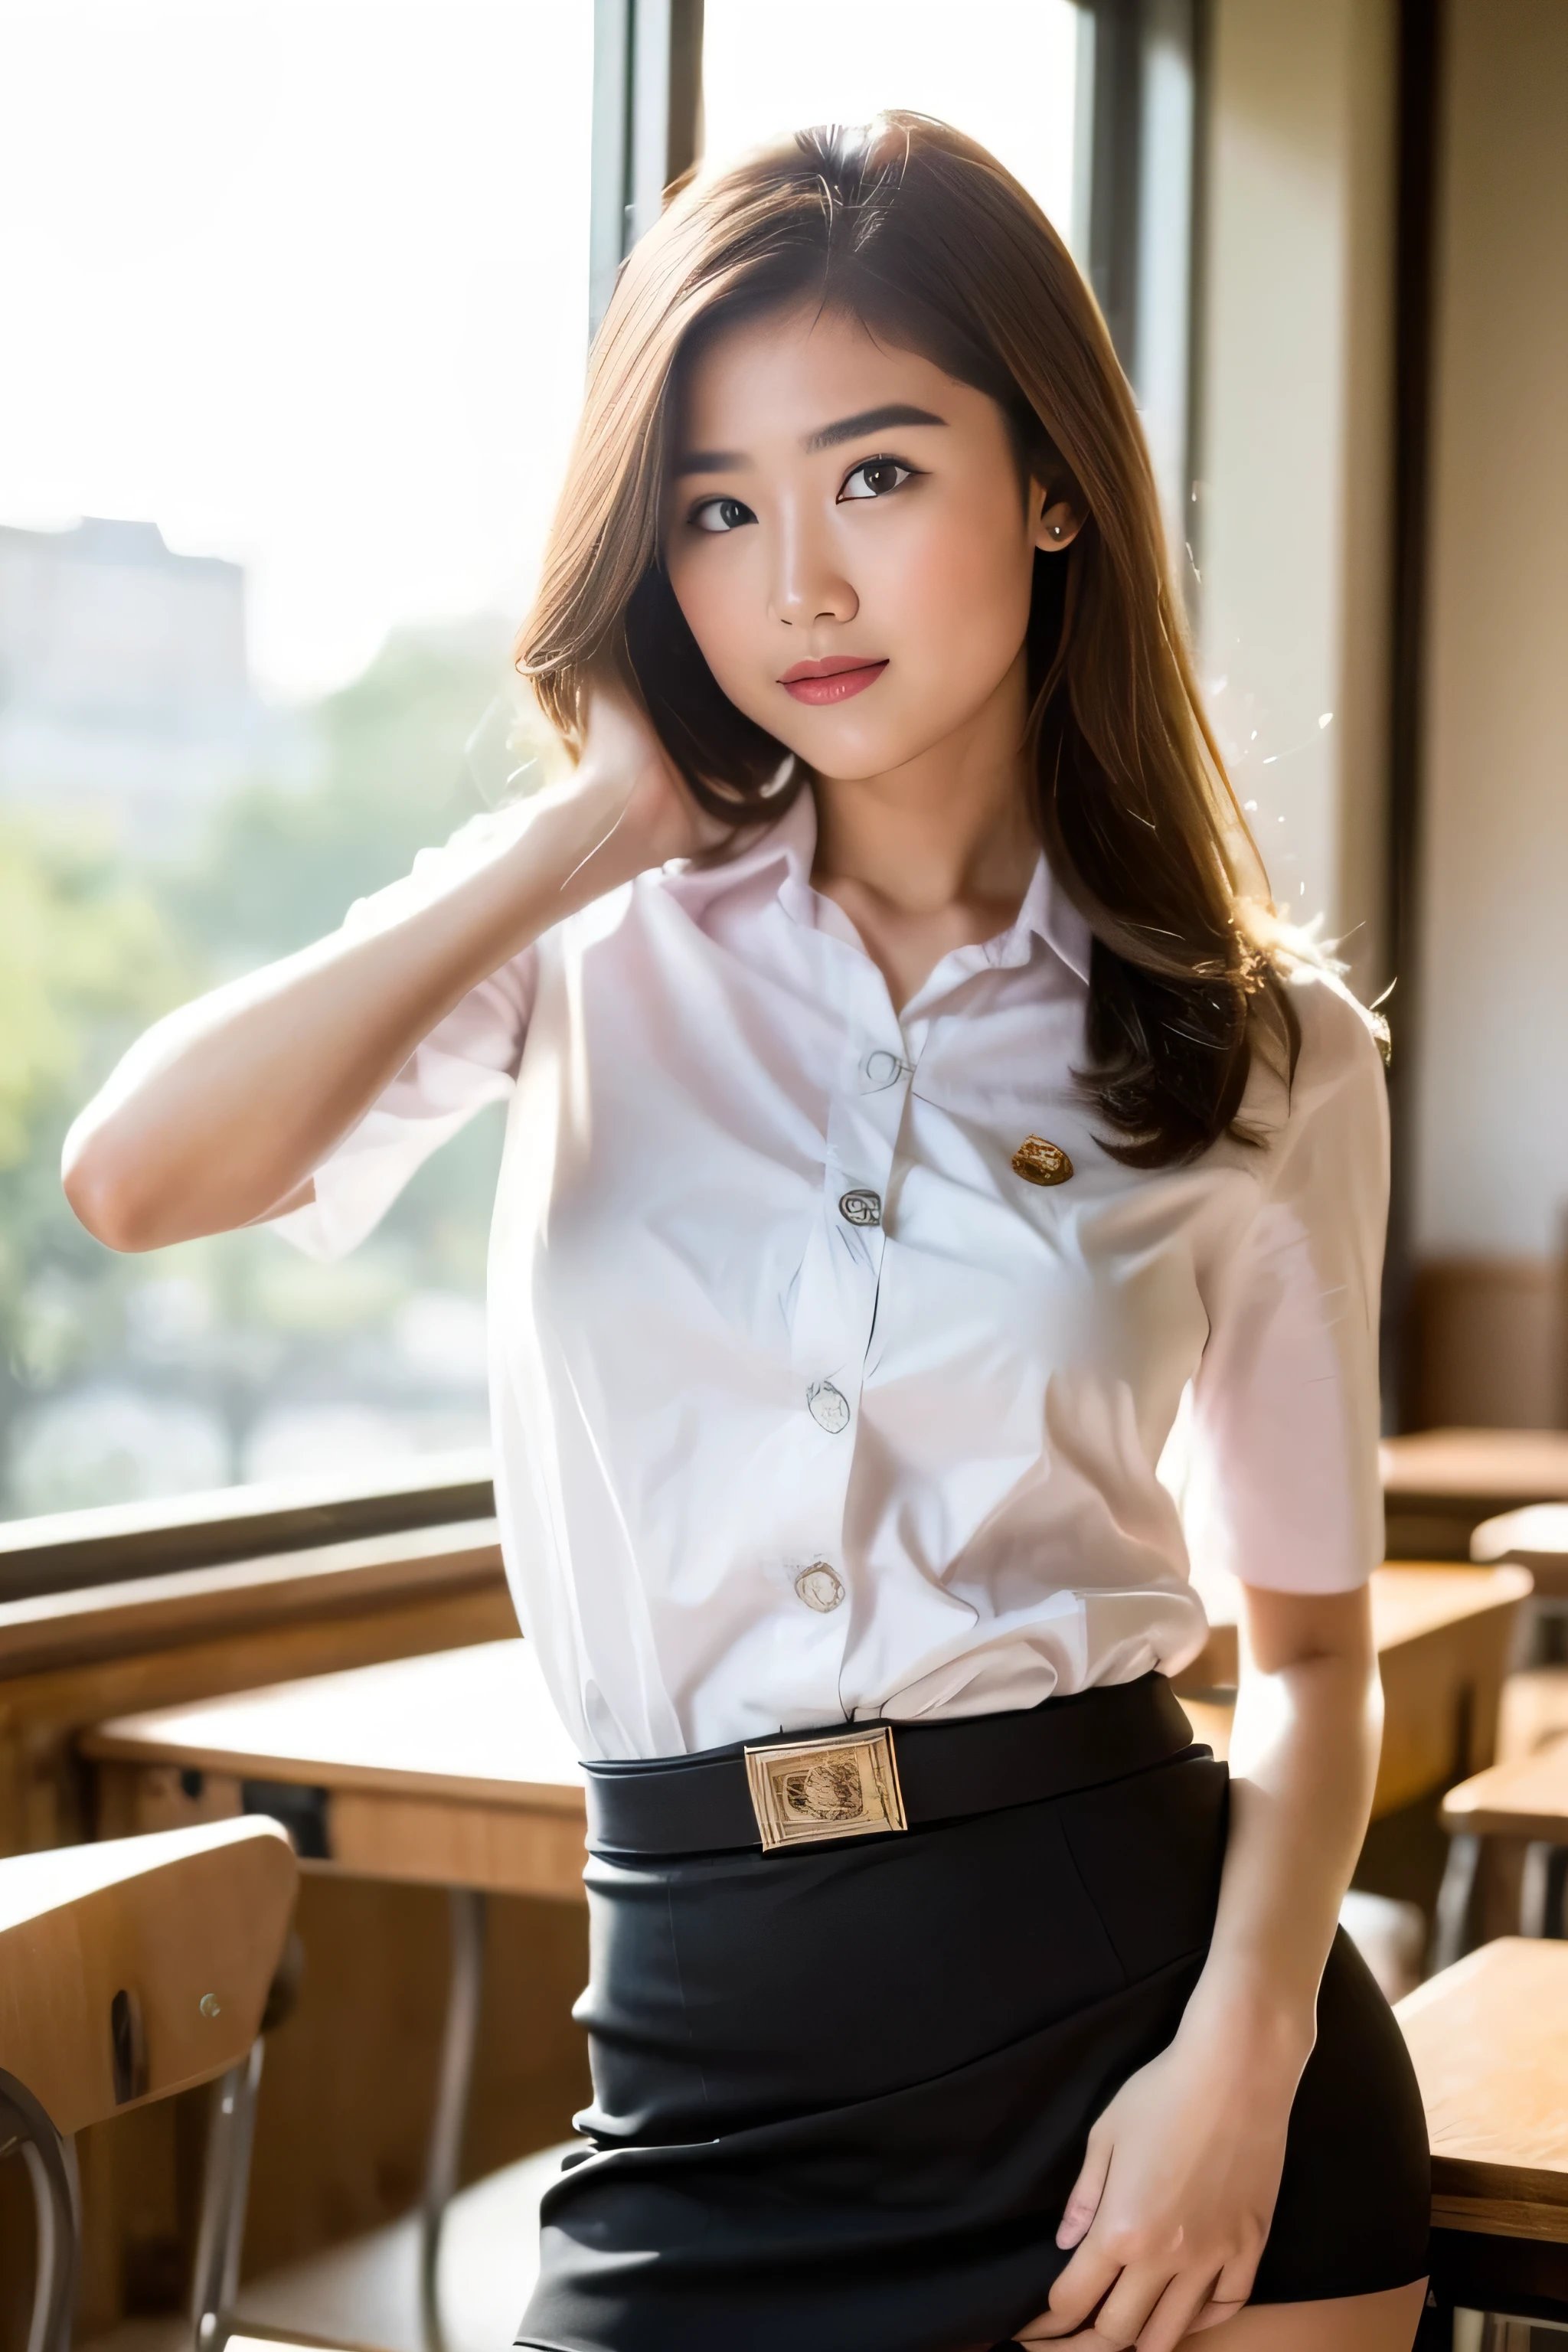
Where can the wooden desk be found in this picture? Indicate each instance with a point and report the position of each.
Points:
(449, 1771)
(1536, 1538)
(1523, 1803)
(452, 1771)
(1439, 1484)
(1489, 2038)
(1443, 1636)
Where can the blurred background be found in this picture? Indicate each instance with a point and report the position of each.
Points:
(297, 296)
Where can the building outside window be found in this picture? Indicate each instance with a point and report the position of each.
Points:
(296, 304)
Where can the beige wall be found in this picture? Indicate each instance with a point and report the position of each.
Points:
(1293, 507)
(1492, 1165)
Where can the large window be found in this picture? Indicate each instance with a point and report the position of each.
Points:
(295, 295)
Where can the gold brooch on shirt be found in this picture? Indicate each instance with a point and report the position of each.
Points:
(1040, 1162)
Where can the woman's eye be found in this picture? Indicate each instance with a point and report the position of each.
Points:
(875, 478)
(723, 514)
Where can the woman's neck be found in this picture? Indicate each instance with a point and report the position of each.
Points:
(937, 853)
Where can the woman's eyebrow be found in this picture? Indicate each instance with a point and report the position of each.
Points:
(871, 420)
(711, 461)
(826, 437)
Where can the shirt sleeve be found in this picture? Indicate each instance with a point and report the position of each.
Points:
(1284, 1489)
(468, 1059)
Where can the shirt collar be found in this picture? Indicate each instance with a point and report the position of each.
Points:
(1048, 914)
(790, 845)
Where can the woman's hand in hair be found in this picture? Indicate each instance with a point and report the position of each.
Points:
(218, 1117)
(633, 789)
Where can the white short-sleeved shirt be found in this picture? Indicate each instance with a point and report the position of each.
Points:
(808, 1406)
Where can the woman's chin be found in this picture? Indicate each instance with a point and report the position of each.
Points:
(851, 753)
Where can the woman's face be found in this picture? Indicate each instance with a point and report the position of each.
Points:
(846, 533)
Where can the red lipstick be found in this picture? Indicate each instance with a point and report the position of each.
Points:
(833, 680)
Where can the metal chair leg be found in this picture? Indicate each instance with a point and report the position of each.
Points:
(1541, 1889)
(226, 2181)
(1450, 1934)
(1555, 1922)
(50, 2162)
(1532, 1890)
(459, 2035)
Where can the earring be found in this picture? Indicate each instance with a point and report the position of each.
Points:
(1056, 530)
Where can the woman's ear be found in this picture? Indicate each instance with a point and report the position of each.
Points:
(1056, 521)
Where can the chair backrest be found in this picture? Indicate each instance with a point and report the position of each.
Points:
(128, 1971)
(1536, 1537)
(138, 1966)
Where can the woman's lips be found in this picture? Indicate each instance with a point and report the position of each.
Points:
(834, 680)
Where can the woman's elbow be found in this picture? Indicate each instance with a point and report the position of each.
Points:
(104, 1192)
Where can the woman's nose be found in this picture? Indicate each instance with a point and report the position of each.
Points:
(808, 584)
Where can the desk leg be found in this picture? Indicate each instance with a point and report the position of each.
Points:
(458, 2037)
(1540, 1896)
(1451, 1926)
(225, 2182)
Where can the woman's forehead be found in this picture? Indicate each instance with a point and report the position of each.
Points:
(796, 372)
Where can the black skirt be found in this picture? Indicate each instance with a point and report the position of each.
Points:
(841, 2093)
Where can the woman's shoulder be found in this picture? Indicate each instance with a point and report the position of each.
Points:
(1316, 1055)
(1339, 1037)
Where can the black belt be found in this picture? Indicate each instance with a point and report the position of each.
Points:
(875, 1780)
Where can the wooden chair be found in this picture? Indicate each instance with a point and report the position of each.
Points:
(1522, 1803)
(1537, 1539)
(131, 1969)
(1518, 1807)
(1490, 2041)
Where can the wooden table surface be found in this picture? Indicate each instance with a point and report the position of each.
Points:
(454, 1769)
(1501, 1468)
(1489, 2038)
(1439, 1484)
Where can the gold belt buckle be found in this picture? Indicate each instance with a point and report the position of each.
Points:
(833, 1788)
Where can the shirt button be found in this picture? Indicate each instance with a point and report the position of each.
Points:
(860, 1207)
(819, 1588)
(881, 1068)
(829, 1407)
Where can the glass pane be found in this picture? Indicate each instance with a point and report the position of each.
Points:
(1003, 71)
(295, 300)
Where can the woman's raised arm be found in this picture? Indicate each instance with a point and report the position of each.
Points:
(218, 1115)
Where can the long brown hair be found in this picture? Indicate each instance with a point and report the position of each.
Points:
(918, 233)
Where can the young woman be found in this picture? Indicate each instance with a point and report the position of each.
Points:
(913, 1099)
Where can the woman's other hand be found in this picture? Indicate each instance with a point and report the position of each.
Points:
(1169, 2214)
